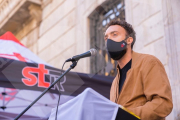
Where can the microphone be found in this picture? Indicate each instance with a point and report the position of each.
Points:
(91, 52)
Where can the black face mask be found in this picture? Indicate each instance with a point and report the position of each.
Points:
(116, 50)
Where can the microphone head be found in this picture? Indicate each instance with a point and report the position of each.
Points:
(93, 51)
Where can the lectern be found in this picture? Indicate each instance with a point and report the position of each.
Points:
(90, 105)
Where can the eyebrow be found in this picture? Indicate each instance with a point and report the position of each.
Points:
(111, 33)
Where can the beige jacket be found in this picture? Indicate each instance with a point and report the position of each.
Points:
(146, 90)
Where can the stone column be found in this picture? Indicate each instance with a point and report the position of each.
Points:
(171, 18)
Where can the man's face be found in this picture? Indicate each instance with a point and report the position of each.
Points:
(115, 33)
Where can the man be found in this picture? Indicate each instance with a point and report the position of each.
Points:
(141, 84)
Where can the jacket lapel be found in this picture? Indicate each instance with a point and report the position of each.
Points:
(117, 94)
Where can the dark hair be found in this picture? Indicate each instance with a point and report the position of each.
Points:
(128, 27)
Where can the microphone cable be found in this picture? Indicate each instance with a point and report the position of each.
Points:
(59, 94)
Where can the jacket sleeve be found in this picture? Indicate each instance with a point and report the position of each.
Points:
(157, 91)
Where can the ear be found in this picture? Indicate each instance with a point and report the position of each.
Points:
(129, 40)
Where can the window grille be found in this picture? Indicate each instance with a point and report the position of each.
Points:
(111, 9)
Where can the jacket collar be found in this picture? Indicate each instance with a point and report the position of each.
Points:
(135, 57)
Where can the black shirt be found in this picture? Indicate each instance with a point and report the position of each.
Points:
(123, 72)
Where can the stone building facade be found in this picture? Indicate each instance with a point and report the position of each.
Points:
(59, 29)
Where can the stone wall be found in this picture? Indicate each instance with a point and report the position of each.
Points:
(63, 32)
(146, 18)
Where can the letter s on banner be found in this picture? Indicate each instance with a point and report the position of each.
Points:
(30, 79)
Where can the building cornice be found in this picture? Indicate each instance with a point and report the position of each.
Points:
(15, 13)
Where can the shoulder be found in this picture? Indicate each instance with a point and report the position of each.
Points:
(146, 64)
(148, 59)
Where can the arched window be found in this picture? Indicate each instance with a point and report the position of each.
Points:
(109, 10)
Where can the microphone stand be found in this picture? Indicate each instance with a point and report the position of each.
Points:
(74, 63)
